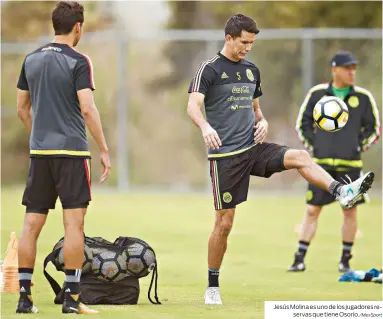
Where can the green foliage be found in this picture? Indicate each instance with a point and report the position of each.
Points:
(301, 14)
(27, 20)
(280, 61)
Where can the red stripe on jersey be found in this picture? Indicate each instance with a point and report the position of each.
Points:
(90, 71)
(89, 61)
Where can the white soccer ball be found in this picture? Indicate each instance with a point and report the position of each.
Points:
(109, 265)
(330, 113)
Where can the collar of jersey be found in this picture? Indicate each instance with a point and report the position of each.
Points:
(228, 60)
(330, 92)
(59, 44)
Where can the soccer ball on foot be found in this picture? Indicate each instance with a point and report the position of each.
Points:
(330, 113)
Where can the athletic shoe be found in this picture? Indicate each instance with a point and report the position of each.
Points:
(25, 305)
(351, 193)
(212, 296)
(72, 306)
(344, 265)
(299, 263)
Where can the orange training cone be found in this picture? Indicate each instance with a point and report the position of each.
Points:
(9, 269)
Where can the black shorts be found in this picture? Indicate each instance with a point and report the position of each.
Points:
(319, 197)
(49, 178)
(231, 176)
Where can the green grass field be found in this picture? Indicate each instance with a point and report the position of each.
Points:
(260, 249)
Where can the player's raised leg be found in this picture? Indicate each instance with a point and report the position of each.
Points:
(347, 195)
(216, 250)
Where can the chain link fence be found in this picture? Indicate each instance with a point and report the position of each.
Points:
(141, 92)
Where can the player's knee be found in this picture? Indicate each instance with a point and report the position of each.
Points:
(297, 159)
(74, 225)
(224, 222)
(225, 227)
(313, 211)
(350, 214)
(304, 158)
(33, 225)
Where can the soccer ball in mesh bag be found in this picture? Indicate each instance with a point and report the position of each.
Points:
(330, 114)
(87, 262)
(141, 260)
(109, 265)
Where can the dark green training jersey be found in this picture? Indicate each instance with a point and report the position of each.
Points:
(229, 88)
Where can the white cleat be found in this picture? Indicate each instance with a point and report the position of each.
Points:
(351, 193)
(212, 296)
(34, 310)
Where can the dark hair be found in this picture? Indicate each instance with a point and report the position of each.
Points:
(66, 15)
(239, 22)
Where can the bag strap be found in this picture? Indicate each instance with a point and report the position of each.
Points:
(155, 279)
(55, 286)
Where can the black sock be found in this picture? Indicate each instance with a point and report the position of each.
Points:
(72, 281)
(25, 278)
(213, 277)
(334, 188)
(302, 247)
(347, 246)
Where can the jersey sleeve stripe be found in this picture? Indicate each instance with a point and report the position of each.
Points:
(197, 78)
(373, 138)
(298, 126)
(90, 71)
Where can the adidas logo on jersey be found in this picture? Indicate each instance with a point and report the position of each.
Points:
(224, 75)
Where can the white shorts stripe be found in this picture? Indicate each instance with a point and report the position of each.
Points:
(219, 203)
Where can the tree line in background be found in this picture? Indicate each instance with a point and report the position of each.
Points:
(165, 70)
(280, 60)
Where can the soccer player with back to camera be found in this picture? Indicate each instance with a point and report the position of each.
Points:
(339, 153)
(55, 102)
(235, 131)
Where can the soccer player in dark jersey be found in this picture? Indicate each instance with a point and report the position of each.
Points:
(234, 132)
(55, 102)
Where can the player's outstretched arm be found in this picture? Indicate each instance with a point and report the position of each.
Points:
(93, 122)
(24, 108)
(261, 127)
(210, 135)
